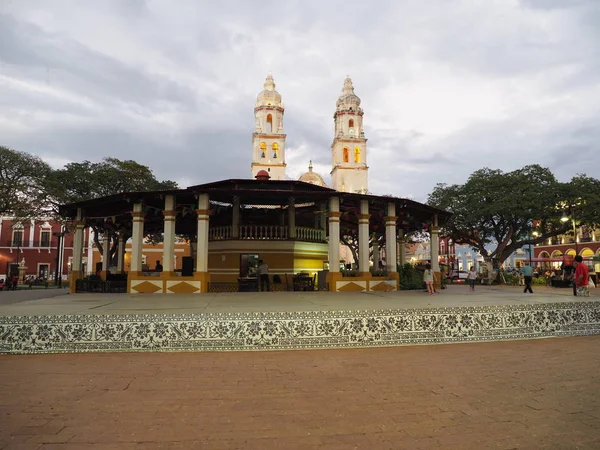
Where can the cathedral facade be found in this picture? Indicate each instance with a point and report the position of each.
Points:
(349, 170)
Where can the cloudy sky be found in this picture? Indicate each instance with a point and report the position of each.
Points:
(447, 86)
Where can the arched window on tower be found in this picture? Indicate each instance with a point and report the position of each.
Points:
(346, 157)
(263, 149)
(357, 155)
(269, 123)
(351, 127)
(275, 148)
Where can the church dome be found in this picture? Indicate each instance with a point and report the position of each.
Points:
(348, 99)
(269, 96)
(312, 177)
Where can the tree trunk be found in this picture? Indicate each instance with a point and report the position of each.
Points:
(492, 269)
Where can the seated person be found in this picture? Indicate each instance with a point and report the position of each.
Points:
(158, 267)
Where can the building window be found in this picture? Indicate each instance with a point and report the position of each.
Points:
(346, 157)
(357, 155)
(17, 238)
(263, 149)
(275, 148)
(45, 239)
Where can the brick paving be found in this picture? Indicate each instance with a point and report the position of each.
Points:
(537, 394)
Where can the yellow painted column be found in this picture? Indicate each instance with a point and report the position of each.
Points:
(363, 239)
(334, 274)
(291, 218)
(105, 254)
(435, 245)
(402, 247)
(391, 244)
(169, 236)
(77, 251)
(202, 242)
(121, 252)
(137, 239)
(235, 222)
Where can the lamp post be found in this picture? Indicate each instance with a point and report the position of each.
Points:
(534, 234)
(59, 260)
(565, 218)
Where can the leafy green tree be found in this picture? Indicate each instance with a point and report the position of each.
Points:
(22, 176)
(86, 180)
(494, 207)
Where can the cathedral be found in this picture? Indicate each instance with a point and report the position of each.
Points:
(349, 170)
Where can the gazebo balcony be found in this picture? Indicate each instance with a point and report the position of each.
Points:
(266, 232)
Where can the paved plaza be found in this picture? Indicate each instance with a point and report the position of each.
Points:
(18, 304)
(537, 394)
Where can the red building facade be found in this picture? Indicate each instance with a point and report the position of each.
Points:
(34, 245)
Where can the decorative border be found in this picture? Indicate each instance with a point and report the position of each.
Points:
(294, 330)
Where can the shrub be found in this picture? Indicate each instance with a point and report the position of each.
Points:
(410, 278)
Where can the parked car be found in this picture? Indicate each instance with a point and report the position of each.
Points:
(458, 275)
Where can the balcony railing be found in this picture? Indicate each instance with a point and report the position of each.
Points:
(28, 244)
(266, 232)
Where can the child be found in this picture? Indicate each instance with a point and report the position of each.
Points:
(471, 277)
(428, 279)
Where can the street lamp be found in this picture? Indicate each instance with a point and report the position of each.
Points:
(59, 256)
(534, 234)
(564, 219)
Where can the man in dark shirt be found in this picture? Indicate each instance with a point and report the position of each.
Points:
(263, 275)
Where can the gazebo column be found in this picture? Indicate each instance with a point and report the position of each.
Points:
(137, 239)
(77, 251)
(402, 247)
(375, 252)
(390, 243)
(291, 218)
(435, 246)
(168, 236)
(235, 222)
(202, 274)
(323, 219)
(363, 239)
(121, 252)
(105, 254)
(334, 274)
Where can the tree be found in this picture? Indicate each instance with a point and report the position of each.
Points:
(86, 180)
(22, 176)
(494, 207)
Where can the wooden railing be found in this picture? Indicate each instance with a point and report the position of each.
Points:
(266, 232)
(220, 233)
(263, 232)
(310, 234)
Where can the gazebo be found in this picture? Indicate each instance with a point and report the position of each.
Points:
(294, 226)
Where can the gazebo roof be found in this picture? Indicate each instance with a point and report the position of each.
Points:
(267, 193)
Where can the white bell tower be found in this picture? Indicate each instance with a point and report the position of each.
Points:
(349, 171)
(268, 139)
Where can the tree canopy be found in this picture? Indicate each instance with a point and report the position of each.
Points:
(85, 180)
(30, 188)
(494, 207)
(22, 177)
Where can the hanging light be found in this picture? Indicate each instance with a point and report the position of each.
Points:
(564, 218)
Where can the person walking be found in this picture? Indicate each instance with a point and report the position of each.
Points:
(263, 275)
(527, 272)
(471, 277)
(428, 279)
(582, 276)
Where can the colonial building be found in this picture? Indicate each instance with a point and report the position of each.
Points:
(34, 249)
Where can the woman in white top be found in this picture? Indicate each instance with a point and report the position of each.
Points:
(471, 277)
(428, 279)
